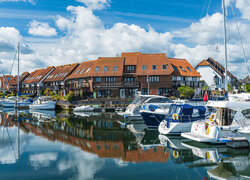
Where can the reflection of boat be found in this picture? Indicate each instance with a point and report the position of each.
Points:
(180, 118)
(83, 114)
(12, 101)
(43, 115)
(229, 117)
(133, 110)
(43, 102)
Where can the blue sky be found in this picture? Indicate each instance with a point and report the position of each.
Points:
(56, 32)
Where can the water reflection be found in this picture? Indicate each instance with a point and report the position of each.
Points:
(45, 144)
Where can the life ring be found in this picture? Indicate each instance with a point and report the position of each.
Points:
(211, 117)
(175, 154)
(175, 116)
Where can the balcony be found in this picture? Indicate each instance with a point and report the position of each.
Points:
(107, 84)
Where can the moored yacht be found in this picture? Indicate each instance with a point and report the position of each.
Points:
(133, 110)
(43, 102)
(220, 127)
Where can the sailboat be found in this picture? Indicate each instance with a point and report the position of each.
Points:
(14, 102)
(230, 117)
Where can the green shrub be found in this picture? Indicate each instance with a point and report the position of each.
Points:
(185, 92)
(70, 96)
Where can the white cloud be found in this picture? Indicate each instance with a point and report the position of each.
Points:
(41, 29)
(43, 159)
(9, 37)
(244, 7)
(95, 4)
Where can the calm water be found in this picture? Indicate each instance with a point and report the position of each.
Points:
(45, 145)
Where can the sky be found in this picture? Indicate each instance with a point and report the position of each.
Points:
(57, 32)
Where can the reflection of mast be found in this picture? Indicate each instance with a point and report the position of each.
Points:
(18, 139)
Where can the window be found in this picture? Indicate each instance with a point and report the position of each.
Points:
(154, 79)
(114, 68)
(246, 113)
(174, 68)
(164, 66)
(110, 79)
(98, 79)
(130, 68)
(144, 67)
(77, 71)
(129, 79)
(189, 69)
(154, 67)
(97, 69)
(174, 78)
(82, 70)
(182, 69)
(106, 68)
(162, 91)
(88, 70)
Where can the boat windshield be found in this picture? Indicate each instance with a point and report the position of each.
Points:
(174, 109)
(246, 113)
(139, 100)
(227, 116)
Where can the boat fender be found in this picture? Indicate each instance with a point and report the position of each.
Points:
(175, 154)
(211, 117)
(175, 116)
(208, 129)
(208, 156)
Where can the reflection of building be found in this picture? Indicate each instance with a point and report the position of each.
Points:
(101, 137)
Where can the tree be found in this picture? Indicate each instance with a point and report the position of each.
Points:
(186, 92)
(70, 96)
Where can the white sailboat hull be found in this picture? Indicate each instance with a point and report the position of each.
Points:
(11, 104)
(46, 105)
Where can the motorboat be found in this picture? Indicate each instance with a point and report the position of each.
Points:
(180, 118)
(133, 110)
(83, 109)
(239, 97)
(221, 126)
(43, 102)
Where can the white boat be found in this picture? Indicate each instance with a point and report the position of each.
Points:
(12, 101)
(43, 102)
(133, 110)
(239, 97)
(221, 126)
(83, 109)
(180, 118)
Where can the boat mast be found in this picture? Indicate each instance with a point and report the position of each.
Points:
(18, 49)
(225, 43)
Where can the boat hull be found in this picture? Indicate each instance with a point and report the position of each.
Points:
(152, 119)
(175, 128)
(46, 106)
(13, 104)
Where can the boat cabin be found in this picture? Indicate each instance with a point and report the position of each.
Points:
(185, 113)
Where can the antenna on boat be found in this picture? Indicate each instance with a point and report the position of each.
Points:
(225, 43)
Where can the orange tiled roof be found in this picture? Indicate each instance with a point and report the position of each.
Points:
(153, 59)
(82, 71)
(37, 75)
(9, 81)
(111, 63)
(214, 65)
(22, 77)
(61, 72)
(131, 58)
(184, 68)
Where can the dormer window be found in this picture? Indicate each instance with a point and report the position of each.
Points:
(154, 67)
(189, 69)
(182, 69)
(77, 71)
(114, 68)
(106, 68)
(174, 68)
(144, 67)
(82, 70)
(97, 69)
(164, 66)
(87, 70)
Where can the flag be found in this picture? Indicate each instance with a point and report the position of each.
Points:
(205, 97)
(147, 77)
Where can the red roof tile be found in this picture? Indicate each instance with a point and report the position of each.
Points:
(113, 65)
(149, 60)
(183, 67)
(37, 75)
(61, 73)
(83, 70)
(131, 58)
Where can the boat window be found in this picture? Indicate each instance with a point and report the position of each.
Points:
(196, 113)
(227, 117)
(246, 113)
(166, 100)
(157, 100)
